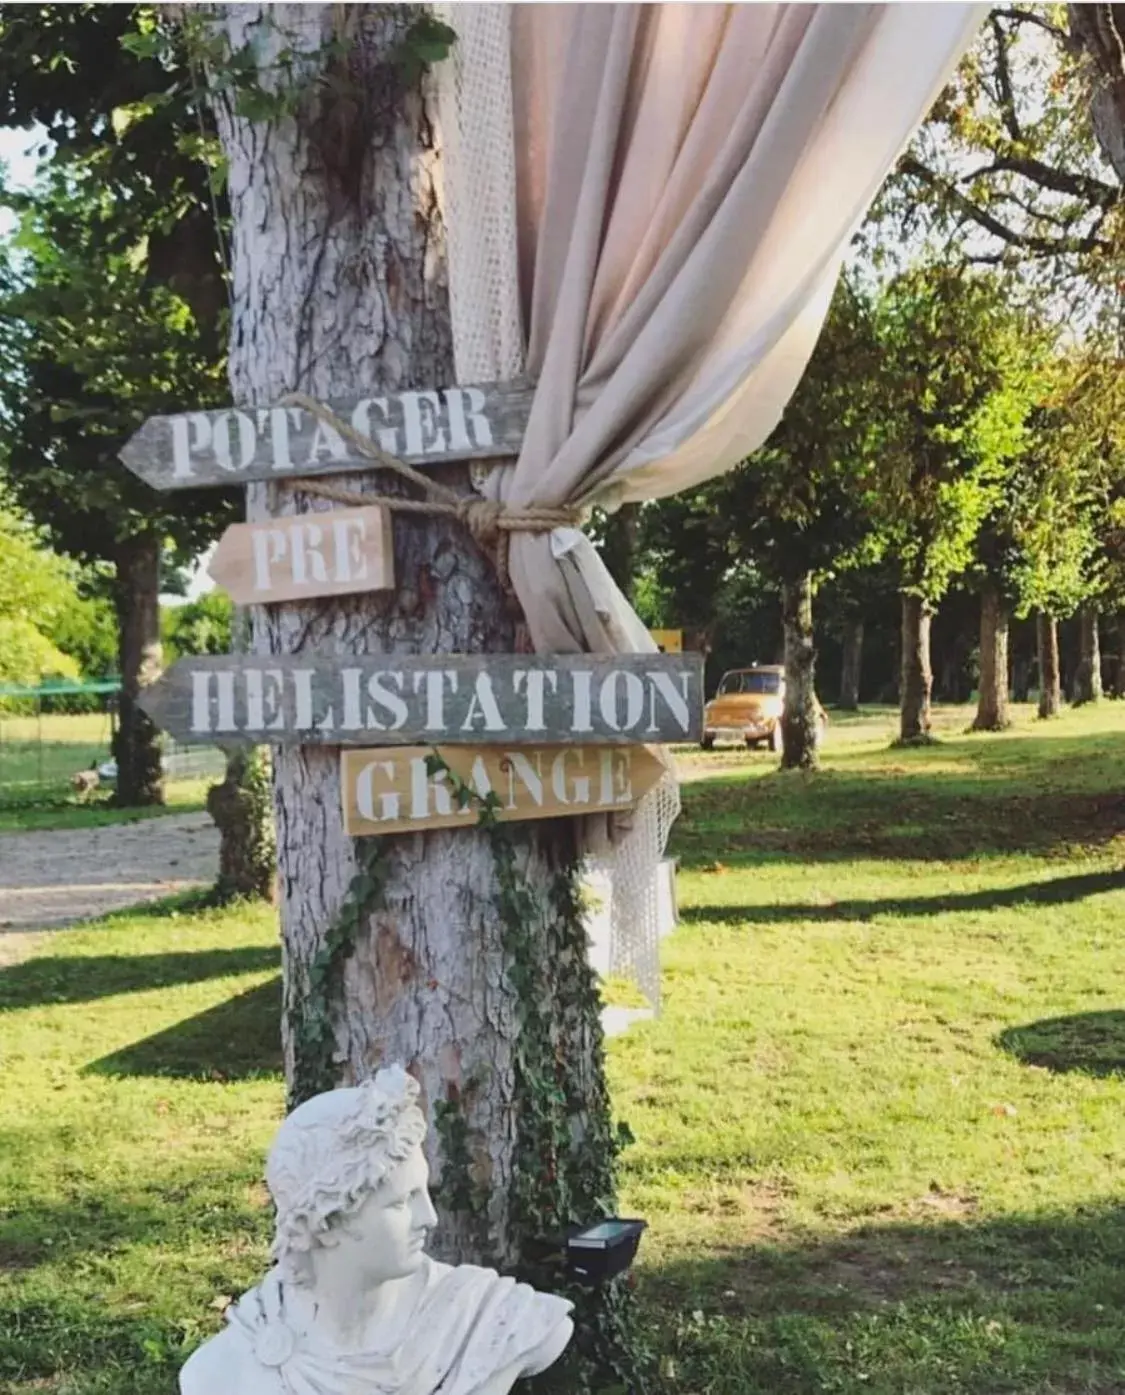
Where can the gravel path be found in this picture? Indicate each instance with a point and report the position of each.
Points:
(48, 879)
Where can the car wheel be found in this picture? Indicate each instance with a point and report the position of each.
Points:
(706, 743)
(777, 739)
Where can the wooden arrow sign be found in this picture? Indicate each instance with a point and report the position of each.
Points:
(393, 790)
(306, 555)
(399, 700)
(240, 445)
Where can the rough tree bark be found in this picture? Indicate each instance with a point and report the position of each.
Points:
(851, 667)
(1119, 682)
(1088, 675)
(917, 673)
(1100, 31)
(800, 723)
(1050, 687)
(992, 699)
(340, 283)
(136, 744)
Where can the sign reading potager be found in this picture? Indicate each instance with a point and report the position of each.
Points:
(392, 699)
(400, 789)
(239, 445)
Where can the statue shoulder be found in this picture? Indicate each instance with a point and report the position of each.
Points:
(225, 1365)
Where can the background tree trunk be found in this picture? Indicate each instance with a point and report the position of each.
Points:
(340, 284)
(799, 722)
(136, 743)
(242, 809)
(1050, 689)
(1099, 29)
(851, 665)
(1120, 680)
(992, 699)
(1088, 674)
(917, 673)
(619, 546)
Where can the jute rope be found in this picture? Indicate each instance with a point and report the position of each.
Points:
(489, 522)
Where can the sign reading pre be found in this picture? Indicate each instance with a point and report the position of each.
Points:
(463, 699)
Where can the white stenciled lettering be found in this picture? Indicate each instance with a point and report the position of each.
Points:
(381, 694)
(361, 420)
(425, 787)
(483, 705)
(348, 537)
(518, 765)
(307, 719)
(223, 446)
(276, 421)
(390, 803)
(203, 719)
(581, 682)
(307, 560)
(191, 434)
(264, 689)
(568, 789)
(621, 710)
(616, 770)
(421, 417)
(675, 699)
(269, 548)
(326, 440)
(434, 681)
(352, 719)
(535, 680)
(468, 424)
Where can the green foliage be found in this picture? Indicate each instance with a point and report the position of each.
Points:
(202, 626)
(960, 378)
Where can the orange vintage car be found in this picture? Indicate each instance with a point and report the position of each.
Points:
(747, 707)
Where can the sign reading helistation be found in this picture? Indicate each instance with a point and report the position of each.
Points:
(390, 699)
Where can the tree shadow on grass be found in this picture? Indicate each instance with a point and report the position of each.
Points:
(1021, 1304)
(239, 1039)
(1088, 1043)
(53, 978)
(1056, 891)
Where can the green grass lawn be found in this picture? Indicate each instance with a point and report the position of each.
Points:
(38, 757)
(880, 1122)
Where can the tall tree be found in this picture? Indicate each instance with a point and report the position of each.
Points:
(958, 395)
(111, 312)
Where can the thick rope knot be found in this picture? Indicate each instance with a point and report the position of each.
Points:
(481, 517)
(491, 523)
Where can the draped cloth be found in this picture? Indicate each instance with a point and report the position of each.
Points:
(647, 208)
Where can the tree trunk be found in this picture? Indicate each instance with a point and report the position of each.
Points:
(1050, 689)
(1099, 29)
(136, 744)
(851, 666)
(992, 699)
(464, 953)
(917, 673)
(800, 724)
(619, 548)
(1088, 675)
(242, 809)
(1120, 681)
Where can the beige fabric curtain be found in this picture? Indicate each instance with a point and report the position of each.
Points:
(683, 181)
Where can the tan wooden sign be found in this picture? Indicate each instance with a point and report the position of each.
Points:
(392, 790)
(240, 445)
(401, 699)
(306, 555)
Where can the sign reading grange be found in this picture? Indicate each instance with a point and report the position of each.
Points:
(391, 699)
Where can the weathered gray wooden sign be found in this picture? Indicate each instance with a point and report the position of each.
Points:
(463, 699)
(244, 444)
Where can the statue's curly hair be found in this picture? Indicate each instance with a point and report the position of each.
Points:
(331, 1153)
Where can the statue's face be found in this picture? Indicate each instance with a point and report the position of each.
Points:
(385, 1237)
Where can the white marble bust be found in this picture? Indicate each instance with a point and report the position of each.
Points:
(353, 1306)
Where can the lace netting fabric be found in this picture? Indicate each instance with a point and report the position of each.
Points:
(479, 191)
